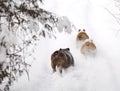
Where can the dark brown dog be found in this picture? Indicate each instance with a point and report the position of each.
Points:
(62, 59)
(82, 35)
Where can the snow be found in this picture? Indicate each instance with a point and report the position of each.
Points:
(101, 73)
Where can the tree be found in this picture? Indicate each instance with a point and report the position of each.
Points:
(22, 22)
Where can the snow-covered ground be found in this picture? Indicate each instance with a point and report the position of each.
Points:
(101, 73)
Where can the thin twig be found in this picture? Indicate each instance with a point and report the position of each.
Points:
(112, 15)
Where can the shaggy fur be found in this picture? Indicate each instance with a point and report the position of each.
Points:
(62, 59)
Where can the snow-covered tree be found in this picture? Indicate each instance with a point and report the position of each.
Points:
(22, 22)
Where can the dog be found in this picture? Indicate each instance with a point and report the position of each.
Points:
(62, 59)
(88, 48)
(82, 35)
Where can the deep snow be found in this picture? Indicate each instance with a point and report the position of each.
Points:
(101, 73)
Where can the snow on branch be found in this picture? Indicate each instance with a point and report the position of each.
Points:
(22, 23)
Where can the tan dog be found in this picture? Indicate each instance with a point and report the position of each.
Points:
(62, 59)
(88, 48)
(82, 35)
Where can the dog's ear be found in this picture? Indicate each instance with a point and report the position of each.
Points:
(79, 30)
(68, 49)
(60, 49)
(84, 30)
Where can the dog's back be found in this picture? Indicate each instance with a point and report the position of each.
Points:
(62, 59)
(88, 48)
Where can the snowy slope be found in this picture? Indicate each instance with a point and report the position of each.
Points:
(101, 73)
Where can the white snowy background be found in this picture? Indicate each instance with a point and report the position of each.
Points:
(101, 73)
